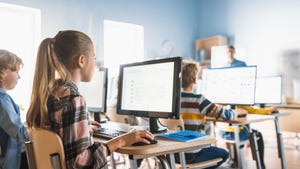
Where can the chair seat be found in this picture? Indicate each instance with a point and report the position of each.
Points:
(203, 164)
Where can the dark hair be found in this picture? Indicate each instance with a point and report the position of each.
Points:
(231, 47)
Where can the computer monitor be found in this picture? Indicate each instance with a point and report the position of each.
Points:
(150, 89)
(231, 85)
(95, 92)
(268, 90)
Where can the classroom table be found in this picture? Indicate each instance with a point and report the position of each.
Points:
(250, 119)
(162, 148)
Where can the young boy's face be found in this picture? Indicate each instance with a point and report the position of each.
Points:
(10, 79)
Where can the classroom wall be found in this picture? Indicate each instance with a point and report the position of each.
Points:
(174, 20)
(268, 29)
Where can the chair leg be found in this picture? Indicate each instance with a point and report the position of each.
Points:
(296, 143)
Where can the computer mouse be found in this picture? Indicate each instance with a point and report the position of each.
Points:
(241, 115)
(154, 141)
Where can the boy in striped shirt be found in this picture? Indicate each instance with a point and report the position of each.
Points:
(194, 109)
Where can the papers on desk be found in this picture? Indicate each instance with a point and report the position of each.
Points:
(183, 135)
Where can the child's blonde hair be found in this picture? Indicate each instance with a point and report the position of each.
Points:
(8, 61)
(189, 73)
(56, 59)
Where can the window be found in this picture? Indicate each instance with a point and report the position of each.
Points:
(123, 43)
(20, 33)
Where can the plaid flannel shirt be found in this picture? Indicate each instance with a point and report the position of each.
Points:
(68, 117)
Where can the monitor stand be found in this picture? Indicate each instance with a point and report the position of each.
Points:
(98, 119)
(262, 105)
(155, 127)
(232, 106)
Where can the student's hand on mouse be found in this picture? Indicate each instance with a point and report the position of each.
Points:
(241, 113)
(95, 125)
(274, 110)
(129, 138)
(138, 136)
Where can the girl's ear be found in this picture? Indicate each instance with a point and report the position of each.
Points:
(81, 61)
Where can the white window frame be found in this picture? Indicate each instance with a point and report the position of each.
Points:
(20, 33)
(123, 43)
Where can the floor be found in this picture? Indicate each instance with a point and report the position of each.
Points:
(291, 148)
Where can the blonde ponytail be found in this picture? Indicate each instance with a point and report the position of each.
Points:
(49, 75)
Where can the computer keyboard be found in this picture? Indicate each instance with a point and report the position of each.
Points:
(108, 133)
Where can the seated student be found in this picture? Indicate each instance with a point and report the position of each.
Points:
(194, 109)
(56, 103)
(13, 133)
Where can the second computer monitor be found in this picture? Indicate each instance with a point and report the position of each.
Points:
(95, 91)
(268, 90)
(232, 85)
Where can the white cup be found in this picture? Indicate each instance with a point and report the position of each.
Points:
(296, 88)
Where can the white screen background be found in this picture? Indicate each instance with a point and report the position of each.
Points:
(93, 91)
(268, 90)
(230, 85)
(148, 87)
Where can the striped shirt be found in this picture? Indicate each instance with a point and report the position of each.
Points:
(194, 109)
(68, 117)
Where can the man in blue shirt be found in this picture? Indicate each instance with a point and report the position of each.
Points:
(232, 61)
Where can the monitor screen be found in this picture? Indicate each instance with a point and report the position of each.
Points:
(231, 85)
(150, 89)
(268, 90)
(95, 91)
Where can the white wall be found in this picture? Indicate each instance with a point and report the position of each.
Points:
(268, 29)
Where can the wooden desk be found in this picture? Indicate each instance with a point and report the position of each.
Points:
(255, 118)
(291, 122)
(163, 147)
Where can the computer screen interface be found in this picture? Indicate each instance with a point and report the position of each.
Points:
(150, 89)
(232, 85)
(95, 91)
(268, 90)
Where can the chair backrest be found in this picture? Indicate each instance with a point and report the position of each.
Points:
(173, 124)
(30, 155)
(48, 150)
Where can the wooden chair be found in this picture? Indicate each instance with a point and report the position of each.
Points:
(178, 124)
(45, 150)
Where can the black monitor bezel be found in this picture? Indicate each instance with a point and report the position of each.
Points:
(238, 67)
(281, 90)
(176, 90)
(104, 96)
